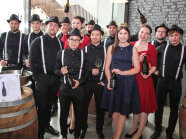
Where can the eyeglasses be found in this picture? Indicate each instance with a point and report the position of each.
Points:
(161, 31)
(76, 41)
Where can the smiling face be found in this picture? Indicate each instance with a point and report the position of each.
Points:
(144, 34)
(174, 38)
(89, 27)
(74, 42)
(76, 23)
(65, 27)
(123, 36)
(52, 28)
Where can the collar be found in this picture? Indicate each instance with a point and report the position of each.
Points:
(99, 46)
(177, 46)
(11, 33)
(38, 34)
(158, 44)
(112, 38)
(48, 37)
(73, 51)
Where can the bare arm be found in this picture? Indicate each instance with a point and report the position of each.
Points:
(108, 62)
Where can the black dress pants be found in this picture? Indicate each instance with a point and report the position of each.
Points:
(46, 89)
(155, 80)
(174, 88)
(92, 87)
(66, 96)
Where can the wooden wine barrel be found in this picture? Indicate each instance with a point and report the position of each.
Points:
(182, 119)
(18, 119)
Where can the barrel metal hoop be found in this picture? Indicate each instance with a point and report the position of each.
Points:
(17, 102)
(17, 113)
(184, 130)
(18, 127)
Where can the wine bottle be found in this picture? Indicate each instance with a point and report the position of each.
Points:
(67, 7)
(142, 17)
(145, 67)
(69, 81)
(113, 80)
(3, 90)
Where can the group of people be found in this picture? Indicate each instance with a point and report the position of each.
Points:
(78, 66)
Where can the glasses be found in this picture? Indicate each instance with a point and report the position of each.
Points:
(76, 41)
(161, 31)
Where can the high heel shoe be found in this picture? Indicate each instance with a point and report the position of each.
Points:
(71, 130)
(129, 136)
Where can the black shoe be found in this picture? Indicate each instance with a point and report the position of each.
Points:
(51, 130)
(100, 134)
(40, 137)
(169, 136)
(71, 130)
(83, 132)
(141, 136)
(155, 135)
(129, 136)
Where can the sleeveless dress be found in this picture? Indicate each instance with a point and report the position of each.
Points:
(146, 86)
(125, 98)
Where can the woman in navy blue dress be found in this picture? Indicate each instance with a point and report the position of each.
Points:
(123, 59)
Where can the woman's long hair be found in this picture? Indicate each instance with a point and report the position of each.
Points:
(116, 43)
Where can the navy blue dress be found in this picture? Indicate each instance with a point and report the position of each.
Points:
(125, 98)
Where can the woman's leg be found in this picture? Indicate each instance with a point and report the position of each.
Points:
(115, 121)
(120, 125)
(135, 124)
(143, 120)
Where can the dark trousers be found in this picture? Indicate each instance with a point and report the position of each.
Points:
(66, 96)
(93, 88)
(174, 88)
(155, 80)
(46, 89)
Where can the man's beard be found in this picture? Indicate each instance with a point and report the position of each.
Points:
(95, 41)
(162, 38)
(15, 30)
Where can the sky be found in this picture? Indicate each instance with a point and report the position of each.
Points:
(8, 7)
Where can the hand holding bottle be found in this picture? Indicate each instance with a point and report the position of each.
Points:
(117, 71)
(141, 57)
(64, 70)
(76, 84)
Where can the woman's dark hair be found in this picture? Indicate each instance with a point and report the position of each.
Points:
(82, 19)
(121, 26)
(147, 26)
